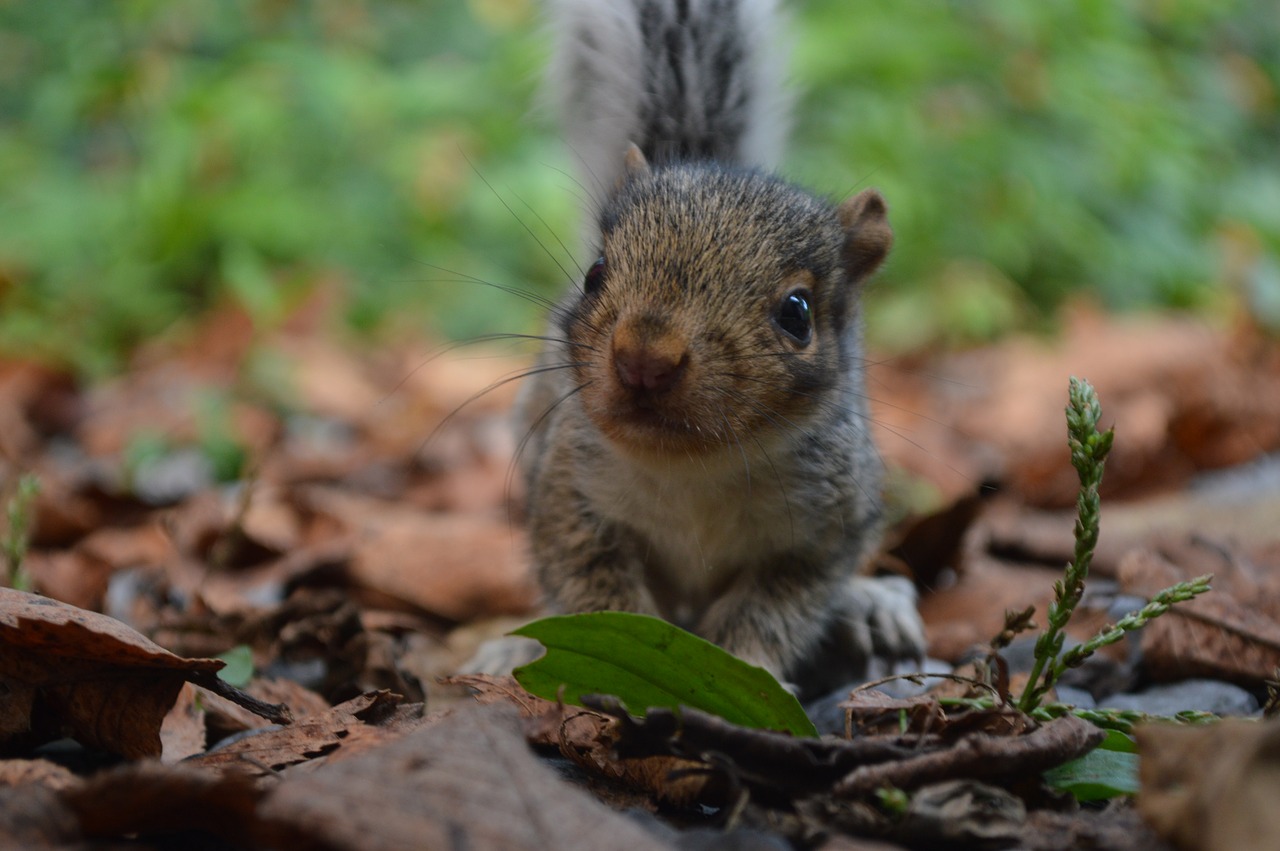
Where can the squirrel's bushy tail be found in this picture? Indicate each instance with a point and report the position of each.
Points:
(683, 79)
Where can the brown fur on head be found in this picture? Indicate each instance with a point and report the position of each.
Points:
(695, 341)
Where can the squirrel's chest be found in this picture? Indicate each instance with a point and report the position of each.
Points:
(697, 531)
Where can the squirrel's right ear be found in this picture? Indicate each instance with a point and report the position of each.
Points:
(635, 165)
(867, 235)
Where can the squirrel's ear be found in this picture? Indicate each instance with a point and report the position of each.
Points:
(635, 163)
(867, 235)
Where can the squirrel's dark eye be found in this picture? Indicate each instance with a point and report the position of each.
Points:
(594, 278)
(794, 316)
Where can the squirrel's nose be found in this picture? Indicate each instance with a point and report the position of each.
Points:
(647, 369)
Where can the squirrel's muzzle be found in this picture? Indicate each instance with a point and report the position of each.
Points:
(647, 358)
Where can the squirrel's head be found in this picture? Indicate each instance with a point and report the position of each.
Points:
(722, 309)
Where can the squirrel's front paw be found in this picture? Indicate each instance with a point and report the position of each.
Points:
(500, 656)
(882, 619)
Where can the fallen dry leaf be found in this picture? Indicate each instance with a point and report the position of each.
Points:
(589, 739)
(37, 772)
(869, 712)
(1214, 635)
(1183, 397)
(928, 545)
(182, 733)
(93, 678)
(150, 798)
(73, 576)
(467, 781)
(458, 566)
(33, 817)
(971, 612)
(1213, 787)
(306, 739)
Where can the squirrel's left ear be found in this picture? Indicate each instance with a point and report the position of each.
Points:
(867, 235)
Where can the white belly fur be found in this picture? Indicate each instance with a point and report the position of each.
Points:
(703, 521)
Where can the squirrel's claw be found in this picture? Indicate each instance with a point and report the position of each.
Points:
(883, 618)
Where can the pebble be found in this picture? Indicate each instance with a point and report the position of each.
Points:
(1214, 696)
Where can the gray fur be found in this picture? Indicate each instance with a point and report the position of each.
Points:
(741, 498)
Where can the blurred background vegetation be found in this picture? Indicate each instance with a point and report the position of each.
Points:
(159, 158)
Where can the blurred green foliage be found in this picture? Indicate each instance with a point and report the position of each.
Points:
(157, 158)
(1031, 149)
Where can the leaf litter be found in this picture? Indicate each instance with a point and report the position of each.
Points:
(368, 530)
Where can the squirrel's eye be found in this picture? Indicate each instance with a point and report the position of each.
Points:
(795, 318)
(594, 278)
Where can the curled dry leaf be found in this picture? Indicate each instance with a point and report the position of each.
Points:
(588, 738)
(776, 762)
(980, 756)
(308, 739)
(92, 677)
(929, 544)
(868, 712)
(1212, 788)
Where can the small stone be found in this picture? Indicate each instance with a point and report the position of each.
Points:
(1214, 696)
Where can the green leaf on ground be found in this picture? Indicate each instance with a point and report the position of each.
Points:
(1108, 770)
(239, 668)
(646, 662)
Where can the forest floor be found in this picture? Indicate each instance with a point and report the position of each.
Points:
(373, 540)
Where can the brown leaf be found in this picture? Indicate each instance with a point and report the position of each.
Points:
(588, 739)
(75, 577)
(542, 718)
(971, 612)
(36, 772)
(1180, 394)
(1214, 635)
(128, 547)
(92, 677)
(34, 818)
(148, 797)
(868, 712)
(930, 544)
(1212, 788)
(467, 781)
(963, 812)
(226, 718)
(182, 734)
(457, 566)
(306, 739)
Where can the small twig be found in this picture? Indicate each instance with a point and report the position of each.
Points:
(277, 713)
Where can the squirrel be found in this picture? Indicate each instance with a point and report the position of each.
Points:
(696, 437)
